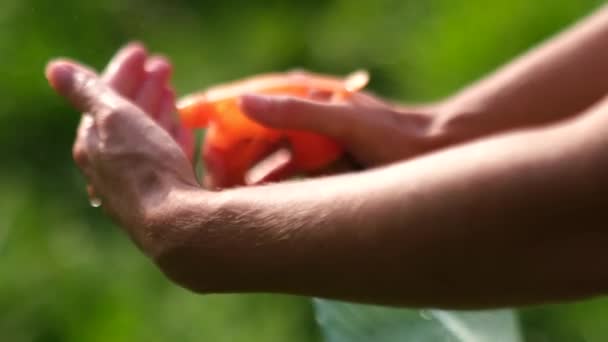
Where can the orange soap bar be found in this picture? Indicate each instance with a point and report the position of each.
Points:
(234, 143)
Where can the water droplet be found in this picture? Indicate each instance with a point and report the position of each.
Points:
(95, 202)
(426, 314)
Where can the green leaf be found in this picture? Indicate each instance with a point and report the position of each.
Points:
(345, 322)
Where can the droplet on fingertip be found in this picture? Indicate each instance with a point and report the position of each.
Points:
(95, 202)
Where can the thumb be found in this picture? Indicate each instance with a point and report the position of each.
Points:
(287, 112)
(78, 84)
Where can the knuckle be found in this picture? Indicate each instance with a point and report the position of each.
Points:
(87, 89)
(110, 117)
(86, 85)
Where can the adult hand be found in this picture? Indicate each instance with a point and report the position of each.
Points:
(133, 164)
(144, 79)
(373, 131)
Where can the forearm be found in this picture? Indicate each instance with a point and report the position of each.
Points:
(513, 220)
(558, 79)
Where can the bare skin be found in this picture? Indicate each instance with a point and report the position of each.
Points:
(557, 80)
(512, 219)
(145, 80)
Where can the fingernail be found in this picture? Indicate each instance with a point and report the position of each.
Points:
(59, 74)
(255, 103)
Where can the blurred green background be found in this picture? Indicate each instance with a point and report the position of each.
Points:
(67, 274)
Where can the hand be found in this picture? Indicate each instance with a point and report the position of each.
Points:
(145, 80)
(373, 131)
(133, 164)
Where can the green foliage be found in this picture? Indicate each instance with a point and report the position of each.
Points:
(67, 274)
(346, 322)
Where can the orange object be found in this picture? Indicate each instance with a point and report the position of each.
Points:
(234, 143)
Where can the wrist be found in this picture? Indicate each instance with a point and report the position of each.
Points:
(206, 241)
(182, 230)
(156, 218)
(237, 241)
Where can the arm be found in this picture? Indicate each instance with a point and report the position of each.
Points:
(560, 78)
(555, 81)
(517, 219)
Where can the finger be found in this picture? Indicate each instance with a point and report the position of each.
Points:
(298, 74)
(85, 142)
(73, 82)
(320, 95)
(84, 90)
(125, 71)
(88, 138)
(157, 73)
(332, 119)
(166, 115)
(79, 150)
(275, 167)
